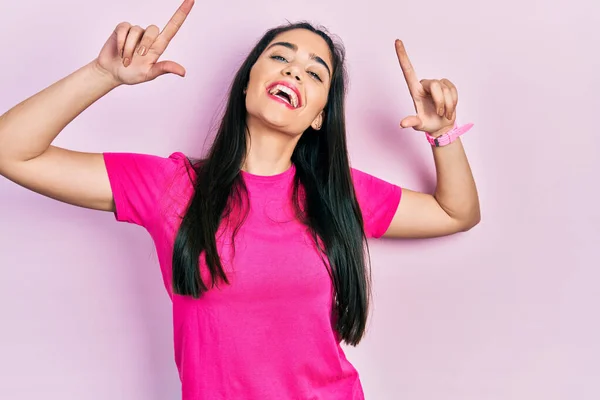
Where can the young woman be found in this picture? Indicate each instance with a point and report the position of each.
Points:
(262, 244)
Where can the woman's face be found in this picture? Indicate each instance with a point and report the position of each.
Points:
(290, 81)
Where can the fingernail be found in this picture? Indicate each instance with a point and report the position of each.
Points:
(126, 62)
(141, 50)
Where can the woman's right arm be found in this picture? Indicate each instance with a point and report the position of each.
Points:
(130, 56)
(27, 131)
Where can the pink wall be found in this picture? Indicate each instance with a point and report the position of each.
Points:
(508, 310)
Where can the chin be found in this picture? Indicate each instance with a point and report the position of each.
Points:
(281, 120)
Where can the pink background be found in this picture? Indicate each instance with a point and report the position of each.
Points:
(508, 310)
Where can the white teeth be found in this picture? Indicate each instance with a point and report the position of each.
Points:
(288, 91)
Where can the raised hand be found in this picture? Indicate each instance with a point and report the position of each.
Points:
(131, 54)
(435, 100)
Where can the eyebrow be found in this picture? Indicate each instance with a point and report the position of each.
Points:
(313, 56)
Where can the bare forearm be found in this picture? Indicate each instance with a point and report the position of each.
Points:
(456, 191)
(28, 129)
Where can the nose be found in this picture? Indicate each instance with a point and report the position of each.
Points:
(292, 71)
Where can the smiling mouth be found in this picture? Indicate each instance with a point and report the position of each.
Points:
(286, 94)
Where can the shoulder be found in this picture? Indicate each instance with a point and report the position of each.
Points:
(365, 181)
(378, 200)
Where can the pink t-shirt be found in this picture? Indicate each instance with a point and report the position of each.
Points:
(268, 335)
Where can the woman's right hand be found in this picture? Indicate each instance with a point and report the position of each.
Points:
(130, 56)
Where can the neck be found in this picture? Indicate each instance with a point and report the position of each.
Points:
(269, 150)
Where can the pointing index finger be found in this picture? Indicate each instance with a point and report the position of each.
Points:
(176, 21)
(407, 69)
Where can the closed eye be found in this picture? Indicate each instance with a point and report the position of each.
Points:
(316, 76)
(276, 57)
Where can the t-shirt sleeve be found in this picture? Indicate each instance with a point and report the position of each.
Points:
(139, 182)
(378, 201)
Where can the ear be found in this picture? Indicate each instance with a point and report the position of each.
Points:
(318, 122)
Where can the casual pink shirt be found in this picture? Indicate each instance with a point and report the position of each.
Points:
(269, 335)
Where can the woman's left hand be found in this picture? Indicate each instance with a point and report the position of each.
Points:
(435, 100)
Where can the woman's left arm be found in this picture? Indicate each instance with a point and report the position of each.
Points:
(454, 207)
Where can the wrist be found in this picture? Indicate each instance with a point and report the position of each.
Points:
(442, 131)
(447, 135)
(105, 78)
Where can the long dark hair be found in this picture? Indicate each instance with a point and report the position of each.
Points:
(328, 206)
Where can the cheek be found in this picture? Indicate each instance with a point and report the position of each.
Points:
(251, 81)
(254, 76)
(258, 73)
(319, 98)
